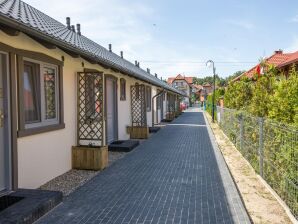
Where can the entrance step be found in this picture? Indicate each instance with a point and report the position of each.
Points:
(123, 145)
(166, 120)
(26, 206)
(154, 129)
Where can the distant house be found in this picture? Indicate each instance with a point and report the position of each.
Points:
(287, 64)
(206, 90)
(279, 59)
(184, 84)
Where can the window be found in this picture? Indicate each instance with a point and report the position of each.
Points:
(148, 98)
(158, 101)
(40, 94)
(39, 97)
(122, 89)
(50, 95)
(31, 93)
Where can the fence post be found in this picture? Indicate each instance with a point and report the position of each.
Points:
(241, 131)
(261, 145)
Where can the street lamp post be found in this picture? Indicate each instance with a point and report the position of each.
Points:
(208, 63)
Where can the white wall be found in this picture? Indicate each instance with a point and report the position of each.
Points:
(42, 157)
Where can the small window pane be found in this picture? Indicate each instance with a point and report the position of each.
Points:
(31, 93)
(122, 89)
(50, 93)
(148, 98)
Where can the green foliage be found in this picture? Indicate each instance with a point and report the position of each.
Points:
(270, 95)
(209, 79)
(284, 101)
(260, 101)
(219, 81)
(219, 93)
(238, 94)
(236, 74)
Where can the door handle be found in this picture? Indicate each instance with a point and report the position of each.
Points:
(1, 118)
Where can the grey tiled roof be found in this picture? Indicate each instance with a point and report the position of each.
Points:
(27, 18)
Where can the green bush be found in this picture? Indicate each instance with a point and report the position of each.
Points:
(275, 98)
(218, 94)
(238, 94)
(271, 95)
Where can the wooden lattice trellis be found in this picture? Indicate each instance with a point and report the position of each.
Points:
(177, 104)
(90, 109)
(171, 103)
(138, 106)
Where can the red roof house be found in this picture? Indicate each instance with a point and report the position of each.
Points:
(279, 59)
(189, 80)
(291, 60)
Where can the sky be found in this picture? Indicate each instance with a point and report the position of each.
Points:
(178, 36)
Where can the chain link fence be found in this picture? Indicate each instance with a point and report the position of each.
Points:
(270, 147)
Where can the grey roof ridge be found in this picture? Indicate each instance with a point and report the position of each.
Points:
(26, 27)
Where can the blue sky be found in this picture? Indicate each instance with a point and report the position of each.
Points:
(172, 37)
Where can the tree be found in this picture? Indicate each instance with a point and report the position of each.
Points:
(284, 101)
(209, 79)
(234, 75)
(263, 89)
(238, 94)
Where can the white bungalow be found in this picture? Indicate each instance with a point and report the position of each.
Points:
(59, 89)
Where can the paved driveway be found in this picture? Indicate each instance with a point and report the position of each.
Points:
(177, 176)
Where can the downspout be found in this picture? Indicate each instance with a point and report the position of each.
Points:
(157, 95)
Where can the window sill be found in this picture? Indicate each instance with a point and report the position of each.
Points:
(39, 130)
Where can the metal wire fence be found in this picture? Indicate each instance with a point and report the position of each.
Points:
(270, 147)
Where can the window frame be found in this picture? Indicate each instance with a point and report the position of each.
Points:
(42, 102)
(36, 72)
(159, 100)
(122, 89)
(57, 92)
(45, 125)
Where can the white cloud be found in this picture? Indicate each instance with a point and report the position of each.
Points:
(128, 25)
(240, 23)
(294, 19)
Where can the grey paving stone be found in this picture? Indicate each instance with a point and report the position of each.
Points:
(177, 176)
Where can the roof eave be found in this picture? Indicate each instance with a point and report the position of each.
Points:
(60, 43)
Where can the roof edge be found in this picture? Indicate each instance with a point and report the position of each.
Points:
(60, 43)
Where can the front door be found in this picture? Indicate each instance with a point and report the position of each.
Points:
(111, 109)
(4, 127)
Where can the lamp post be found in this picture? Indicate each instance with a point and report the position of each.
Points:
(208, 63)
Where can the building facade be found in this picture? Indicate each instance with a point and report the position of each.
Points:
(56, 86)
(184, 84)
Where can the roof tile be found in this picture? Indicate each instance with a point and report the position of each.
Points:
(28, 17)
(276, 59)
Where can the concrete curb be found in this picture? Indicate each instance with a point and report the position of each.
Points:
(267, 186)
(280, 201)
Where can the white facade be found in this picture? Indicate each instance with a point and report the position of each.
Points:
(182, 85)
(44, 156)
